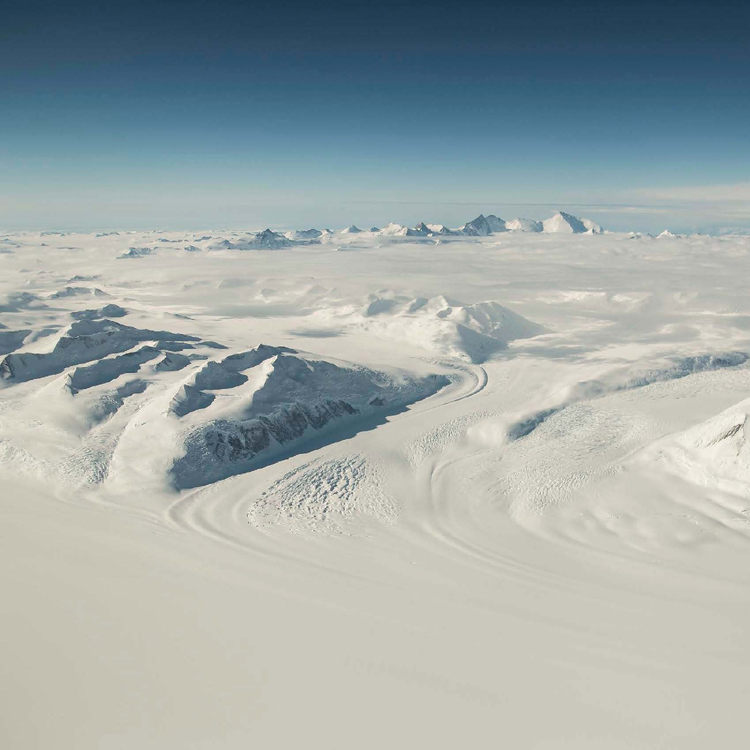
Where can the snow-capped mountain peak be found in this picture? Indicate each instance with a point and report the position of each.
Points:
(483, 226)
(523, 225)
(563, 223)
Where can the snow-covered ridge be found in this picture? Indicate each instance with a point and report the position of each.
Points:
(713, 454)
(446, 326)
(85, 341)
(189, 418)
(285, 396)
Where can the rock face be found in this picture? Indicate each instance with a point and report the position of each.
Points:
(294, 396)
(231, 444)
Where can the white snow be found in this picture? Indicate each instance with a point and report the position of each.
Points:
(394, 229)
(483, 225)
(524, 225)
(375, 489)
(449, 327)
(568, 224)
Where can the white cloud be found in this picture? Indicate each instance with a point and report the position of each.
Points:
(733, 193)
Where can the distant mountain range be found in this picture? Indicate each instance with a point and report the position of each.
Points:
(481, 226)
(484, 226)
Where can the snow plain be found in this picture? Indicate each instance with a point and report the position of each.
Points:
(501, 498)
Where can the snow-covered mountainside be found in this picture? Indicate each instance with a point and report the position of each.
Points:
(285, 396)
(713, 454)
(482, 226)
(220, 416)
(568, 224)
(524, 225)
(469, 332)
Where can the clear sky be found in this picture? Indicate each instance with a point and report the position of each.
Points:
(289, 114)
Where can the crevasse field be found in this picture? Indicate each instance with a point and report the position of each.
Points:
(374, 490)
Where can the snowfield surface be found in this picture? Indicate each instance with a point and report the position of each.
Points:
(398, 487)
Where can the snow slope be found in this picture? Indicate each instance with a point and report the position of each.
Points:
(524, 225)
(292, 396)
(568, 224)
(469, 332)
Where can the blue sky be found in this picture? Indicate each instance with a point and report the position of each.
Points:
(198, 114)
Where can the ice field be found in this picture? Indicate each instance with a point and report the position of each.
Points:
(405, 488)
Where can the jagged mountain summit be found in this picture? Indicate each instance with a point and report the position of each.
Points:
(420, 230)
(483, 226)
(268, 240)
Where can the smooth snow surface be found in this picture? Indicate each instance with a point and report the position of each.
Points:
(403, 487)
